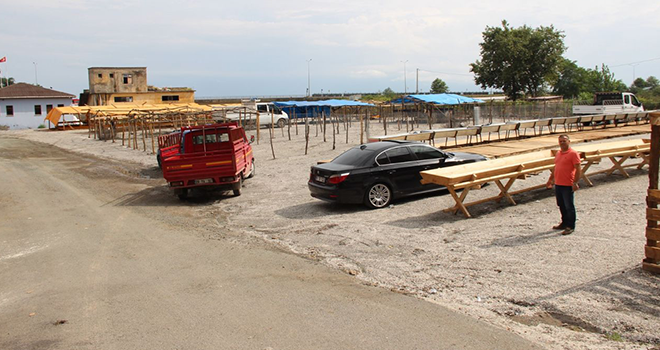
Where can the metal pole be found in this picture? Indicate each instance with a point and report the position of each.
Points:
(309, 84)
(405, 83)
(36, 81)
(417, 82)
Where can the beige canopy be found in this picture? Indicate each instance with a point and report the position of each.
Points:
(124, 110)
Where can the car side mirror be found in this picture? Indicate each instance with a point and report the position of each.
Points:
(251, 139)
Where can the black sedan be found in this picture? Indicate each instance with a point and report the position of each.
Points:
(376, 173)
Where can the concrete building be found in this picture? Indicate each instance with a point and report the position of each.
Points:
(117, 85)
(24, 106)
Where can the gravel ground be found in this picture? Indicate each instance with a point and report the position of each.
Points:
(505, 265)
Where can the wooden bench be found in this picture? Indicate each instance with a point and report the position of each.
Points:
(509, 169)
(474, 175)
(490, 128)
(594, 153)
(446, 133)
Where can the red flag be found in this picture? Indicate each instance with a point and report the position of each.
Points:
(4, 59)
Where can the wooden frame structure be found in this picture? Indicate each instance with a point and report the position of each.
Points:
(505, 171)
(651, 261)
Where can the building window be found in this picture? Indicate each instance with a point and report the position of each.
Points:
(100, 75)
(60, 105)
(123, 98)
(128, 78)
(48, 108)
(37, 109)
(169, 98)
(112, 75)
(10, 111)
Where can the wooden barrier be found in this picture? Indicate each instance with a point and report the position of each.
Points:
(651, 260)
(474, 175)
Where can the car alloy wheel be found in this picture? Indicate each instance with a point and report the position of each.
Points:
(378, 196)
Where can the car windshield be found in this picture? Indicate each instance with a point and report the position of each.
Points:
(357, 156)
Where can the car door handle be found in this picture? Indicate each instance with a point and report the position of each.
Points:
(391, 172)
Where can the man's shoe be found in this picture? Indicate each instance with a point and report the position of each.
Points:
(567, 231)
(558, 227)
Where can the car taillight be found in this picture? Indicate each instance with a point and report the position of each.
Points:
(335, 179)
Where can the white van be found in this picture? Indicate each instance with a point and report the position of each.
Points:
(247, 113)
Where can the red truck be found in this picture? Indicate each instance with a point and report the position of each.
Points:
(207, 155)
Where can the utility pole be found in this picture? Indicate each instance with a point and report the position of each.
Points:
(36, 81)
(405, 83)
(417, 82)
(309, 84)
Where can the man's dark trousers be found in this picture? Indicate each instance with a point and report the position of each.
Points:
(564, 196)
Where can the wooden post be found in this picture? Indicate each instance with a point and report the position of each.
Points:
(651, 262)
(258, 128)
(345, 123)
(270, 131)
(153, 144)
(135, 136)
(113, 123)
(306, 133)
(382, 115)
(324, 125)
(361, 130)
(288, 129)
(144, 137)
(367, 117)
(334, 135)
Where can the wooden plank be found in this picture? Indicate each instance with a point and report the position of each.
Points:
(650, 267)
(654, 195)
(652, 253)
(653, 214)
(653, 234)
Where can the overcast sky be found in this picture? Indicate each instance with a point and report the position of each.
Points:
(259, 48)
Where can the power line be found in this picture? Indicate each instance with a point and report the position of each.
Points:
(430, 71)
(634, 63)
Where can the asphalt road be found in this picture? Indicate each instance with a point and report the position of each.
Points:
(94, 257)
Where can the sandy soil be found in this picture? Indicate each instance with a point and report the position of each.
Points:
(505, 266)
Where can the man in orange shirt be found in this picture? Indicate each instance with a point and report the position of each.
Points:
(565, 177)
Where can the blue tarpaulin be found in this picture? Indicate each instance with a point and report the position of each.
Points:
(301, 109)
(439, 99)
(323, 103)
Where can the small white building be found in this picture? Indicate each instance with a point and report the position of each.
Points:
(24, 106)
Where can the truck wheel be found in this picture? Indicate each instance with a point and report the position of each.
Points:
(182, 193)
(280, 123)
(239, 185)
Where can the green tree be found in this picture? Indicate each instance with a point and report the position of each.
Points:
(638, 85)
(519, 60)
(652, 82)
(602, 80)
(389, 93)
(6, 81)
(438, 86)
(571, 80)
